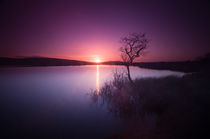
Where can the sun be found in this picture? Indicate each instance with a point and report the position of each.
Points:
(97, 60)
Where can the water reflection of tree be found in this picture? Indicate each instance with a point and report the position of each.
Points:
(169, 107)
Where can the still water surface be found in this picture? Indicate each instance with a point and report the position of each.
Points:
(54, 101)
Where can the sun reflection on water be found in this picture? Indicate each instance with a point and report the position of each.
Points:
(97, 79)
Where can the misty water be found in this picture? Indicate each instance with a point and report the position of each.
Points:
(55, 101)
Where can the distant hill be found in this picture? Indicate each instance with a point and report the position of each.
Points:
(200, 64)
(45, 61)
(39, 61)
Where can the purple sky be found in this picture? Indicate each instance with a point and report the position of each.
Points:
(87, 29)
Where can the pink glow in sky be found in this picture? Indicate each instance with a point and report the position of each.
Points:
(90, 29)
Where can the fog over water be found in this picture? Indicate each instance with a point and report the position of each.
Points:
(55, 99)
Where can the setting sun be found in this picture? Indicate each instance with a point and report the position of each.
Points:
(97, 60)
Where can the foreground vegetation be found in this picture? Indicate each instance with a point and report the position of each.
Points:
(159, 108)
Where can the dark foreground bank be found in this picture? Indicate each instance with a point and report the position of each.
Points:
(159, 108)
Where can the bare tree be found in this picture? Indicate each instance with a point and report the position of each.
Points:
(132, 48)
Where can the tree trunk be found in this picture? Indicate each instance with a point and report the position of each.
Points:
(129, 75)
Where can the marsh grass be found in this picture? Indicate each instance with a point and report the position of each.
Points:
(169, 107)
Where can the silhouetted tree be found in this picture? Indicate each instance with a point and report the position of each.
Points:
(132, 47)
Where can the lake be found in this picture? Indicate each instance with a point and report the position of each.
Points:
(54, 101)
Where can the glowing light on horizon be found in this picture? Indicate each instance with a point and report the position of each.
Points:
(97, 60)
